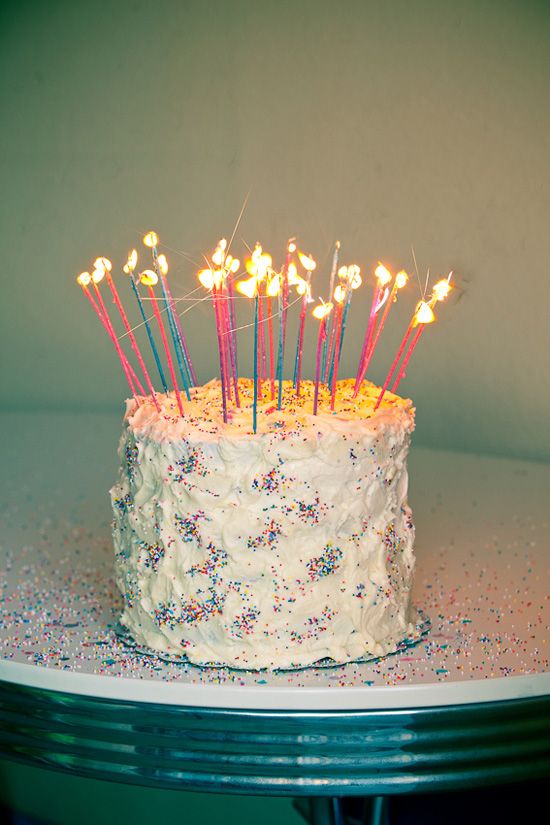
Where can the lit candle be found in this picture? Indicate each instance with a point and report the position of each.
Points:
(149, 279)
(339, 296)
(129, 268)
(303, 289)
(84, 280)
(350, 275)
(249, 287)
(161, 268)
(283, 309)
(322, 313)
(423, 315)
(231, 267)
(105, 264)
(211, 279)
(273, 290)
(97, 277)
(383, 278)
(333, 271)
(400, 281)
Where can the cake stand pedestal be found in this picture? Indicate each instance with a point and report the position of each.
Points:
(468, 706)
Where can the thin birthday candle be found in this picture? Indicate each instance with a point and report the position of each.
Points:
(160, 264)
(283, 309)
(339, 296)
(213, 280)
(321, 312)
(129, 268)
(149, 278)
(231, 267)
(258, 266)
(105, 263)
(383, 278)
(233, 323)
(350, 279)
(353, 282)
(151, 240)
(400, 281)
(84, 280)
(414, 342)
(223, 263)
(333, 271)
(249, 287)
(309, 265)
(189, 378)
(273, 289)
(423, 315)
(97, 277)
(255, 399)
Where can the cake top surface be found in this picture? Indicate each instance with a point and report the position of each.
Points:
(203, 415)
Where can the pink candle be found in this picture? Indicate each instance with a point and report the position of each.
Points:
(383, 277)
(394, 364)
(97, 276)
(131, 335)
(400, 280)
(407, 357)
(321, 312)
(338, 324)
(84, 280)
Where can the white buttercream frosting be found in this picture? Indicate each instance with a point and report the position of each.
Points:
(267, 550)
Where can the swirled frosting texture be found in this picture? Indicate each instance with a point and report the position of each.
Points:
(267, 550)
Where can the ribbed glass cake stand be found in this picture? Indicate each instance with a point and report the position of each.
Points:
(468, 705)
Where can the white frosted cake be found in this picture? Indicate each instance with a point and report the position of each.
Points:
(269, 550)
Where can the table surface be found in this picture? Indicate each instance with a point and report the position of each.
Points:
(482, 567)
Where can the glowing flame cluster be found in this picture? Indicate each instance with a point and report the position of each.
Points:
(214, 277)
(424, 313)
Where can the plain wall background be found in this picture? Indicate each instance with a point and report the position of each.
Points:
(381, 124)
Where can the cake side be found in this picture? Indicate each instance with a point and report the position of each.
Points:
(270, 550)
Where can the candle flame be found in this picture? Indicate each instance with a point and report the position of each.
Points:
(291, 246)
(103, 263)
(148, 277)
(218, 256)
(232, 264)
(273, 285)
(259, 264)
(98, 275)
(441, 289)
(307, 262)
(84, 278)
(354, 276)
(424, 314)
(211, 278)
(322, 310)
(163, 264)
(401, 279)
(382, 300)
(382, 274)
(131, 263)
(151, 239)
(340, 294)
(248, 286)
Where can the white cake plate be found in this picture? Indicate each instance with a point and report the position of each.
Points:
(469, 703)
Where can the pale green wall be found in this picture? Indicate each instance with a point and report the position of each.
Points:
(382, 124)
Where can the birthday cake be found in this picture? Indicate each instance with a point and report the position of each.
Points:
(279, 548)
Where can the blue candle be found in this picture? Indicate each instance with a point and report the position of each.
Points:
(178, 346)
(150, 334)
